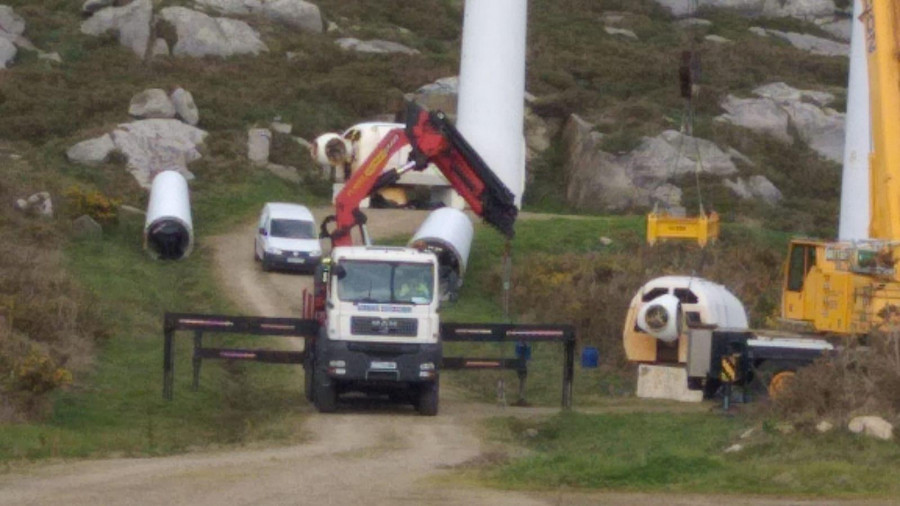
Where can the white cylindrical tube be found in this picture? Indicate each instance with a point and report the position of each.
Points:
(448, 233)
(854, 217)
(168, 230)
(491, 102)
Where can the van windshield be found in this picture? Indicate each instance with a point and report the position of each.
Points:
(293, 229)
(386, 282)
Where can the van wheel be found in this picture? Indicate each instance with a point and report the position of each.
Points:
(427, 404)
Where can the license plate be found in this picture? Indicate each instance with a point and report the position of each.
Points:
(296, 260)
(384, 366)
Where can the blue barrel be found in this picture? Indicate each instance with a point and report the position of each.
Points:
(590, 357)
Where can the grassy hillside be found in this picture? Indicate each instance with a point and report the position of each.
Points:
(108, 298)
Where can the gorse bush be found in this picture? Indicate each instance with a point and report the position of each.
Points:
(101, 208)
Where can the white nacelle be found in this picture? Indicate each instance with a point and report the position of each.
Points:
(357, 143)
(447, 232)
(169, 230)
(662, 302)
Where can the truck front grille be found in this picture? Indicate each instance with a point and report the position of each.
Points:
(365, 325)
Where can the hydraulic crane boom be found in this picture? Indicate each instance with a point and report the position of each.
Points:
(433, 140)
(882, 27)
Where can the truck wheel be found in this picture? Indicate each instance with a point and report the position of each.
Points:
(309, 382)
(427, 404)
(325, 393)
(771, 378)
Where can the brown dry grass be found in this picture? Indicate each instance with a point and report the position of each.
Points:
(47, 325)
(856, 380)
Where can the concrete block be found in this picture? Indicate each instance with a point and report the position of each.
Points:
(665, 382)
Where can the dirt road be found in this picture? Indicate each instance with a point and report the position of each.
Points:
(367, 454)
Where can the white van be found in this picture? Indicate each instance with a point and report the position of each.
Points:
(287, 238)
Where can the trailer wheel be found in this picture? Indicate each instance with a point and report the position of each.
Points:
(325, 393)
(772, 377)
(427, 403)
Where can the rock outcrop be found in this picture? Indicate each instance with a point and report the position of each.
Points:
(755, 187)
(603, 181)
(10, 22)
(808, 10)
(294, 13)
(40, 204)
(811, 43)
(149, 145)
(185, 107)
(12, 26)
(202, 35)
(152, 103)
(7, 53)
(782, 109)
(92, 151)
(374, 46)
(873, 426)
(130, 23)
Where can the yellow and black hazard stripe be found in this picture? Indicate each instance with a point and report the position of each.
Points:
(729, 368)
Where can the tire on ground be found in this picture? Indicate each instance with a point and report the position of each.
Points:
(427, 403)
(324, 392)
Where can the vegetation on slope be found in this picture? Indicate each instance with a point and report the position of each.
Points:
(627, 88)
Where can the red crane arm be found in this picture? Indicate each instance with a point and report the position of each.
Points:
(433, 140)
(364, 181)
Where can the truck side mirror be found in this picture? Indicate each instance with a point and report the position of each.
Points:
(339, 271)
(262, 231)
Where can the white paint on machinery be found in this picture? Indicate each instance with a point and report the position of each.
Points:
(492, 87)
(169, 230)
(696, 301)
(854, 219)
(447, 232)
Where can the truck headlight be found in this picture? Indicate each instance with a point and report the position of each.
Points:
(427, 366)
(274, 251)
(315, 253)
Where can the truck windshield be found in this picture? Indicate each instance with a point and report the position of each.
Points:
(293, 229)
(386, 282)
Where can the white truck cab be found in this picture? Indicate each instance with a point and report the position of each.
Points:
(382, 332)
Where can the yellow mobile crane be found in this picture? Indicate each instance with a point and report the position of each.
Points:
(852, 288)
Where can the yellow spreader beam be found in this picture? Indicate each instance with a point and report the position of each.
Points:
(703, 228)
